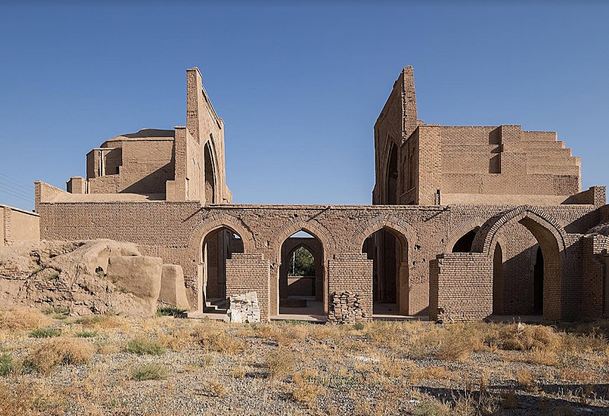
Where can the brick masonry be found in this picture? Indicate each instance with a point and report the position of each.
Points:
(519, 190)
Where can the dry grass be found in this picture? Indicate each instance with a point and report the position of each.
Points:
(525, 379)
(378, 368)
(215, 388)
(145, 346)
(23, 319)
(280, 363)
(27, 398)
(304, 390)
(103, 322)
(217, 340)
(58, 351)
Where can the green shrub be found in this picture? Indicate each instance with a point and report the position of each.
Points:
(149, 371)
(86, 334)
(171, 311)
(144, 346)
(6, 364)
(45, 333)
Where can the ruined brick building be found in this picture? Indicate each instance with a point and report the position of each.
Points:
(466, 221)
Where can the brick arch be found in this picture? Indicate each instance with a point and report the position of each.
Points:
(216, 222)
(195, 247)
(312, 227)
(309, 247)
(536, 221)
(551, 238)
(460, 231)
(403, 231)
(406, 237)
(209, 150)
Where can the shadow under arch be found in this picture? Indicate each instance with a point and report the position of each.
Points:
(210, 173)
(551, 239)
(390, 257)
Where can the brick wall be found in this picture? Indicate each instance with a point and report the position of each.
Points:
(352, 272)
(462, 287)
(249, 273)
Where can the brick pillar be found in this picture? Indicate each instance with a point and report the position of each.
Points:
(352, 272)
(249, 273)
(461, 287)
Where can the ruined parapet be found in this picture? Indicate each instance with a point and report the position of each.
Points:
(244, 308)
(346, 308)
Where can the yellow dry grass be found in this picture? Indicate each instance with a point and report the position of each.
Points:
(58, 351)
(23, 319)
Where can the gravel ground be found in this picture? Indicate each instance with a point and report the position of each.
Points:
(206, 367)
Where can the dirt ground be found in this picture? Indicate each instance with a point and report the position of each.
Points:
(52, 364)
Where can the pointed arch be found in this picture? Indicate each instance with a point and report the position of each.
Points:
(210, 173)
(551, 239)
(279, 282)
(391, 176)
(538, 223)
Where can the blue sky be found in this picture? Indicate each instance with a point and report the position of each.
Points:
(298, 84)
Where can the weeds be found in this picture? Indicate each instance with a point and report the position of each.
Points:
(45, 333)
(6, 364)
(171, 311)
(86, 334)
(149, 371)
(215, 388)
(23, 319)
(145, 346)
(280, 363)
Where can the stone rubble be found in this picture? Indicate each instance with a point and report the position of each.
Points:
(244, 308)
(346, 308)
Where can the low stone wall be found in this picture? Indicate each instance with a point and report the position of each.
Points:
(346, 308)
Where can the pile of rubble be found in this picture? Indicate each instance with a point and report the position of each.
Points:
(244, 308)
(346, 308)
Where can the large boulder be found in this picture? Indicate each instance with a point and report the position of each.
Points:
(173, 290)
(140, 275)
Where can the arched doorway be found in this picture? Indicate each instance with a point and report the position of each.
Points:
(526, 271)
(388, 250)
(217, 247)
(210, 176)
(301, 276)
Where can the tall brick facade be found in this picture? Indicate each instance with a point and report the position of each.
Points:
(475, 221)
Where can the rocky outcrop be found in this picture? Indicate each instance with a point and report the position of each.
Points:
(91, 277)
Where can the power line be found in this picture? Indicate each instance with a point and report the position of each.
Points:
(15, 189)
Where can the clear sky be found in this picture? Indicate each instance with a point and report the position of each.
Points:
(298, 84)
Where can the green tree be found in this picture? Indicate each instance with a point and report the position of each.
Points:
(302, 263)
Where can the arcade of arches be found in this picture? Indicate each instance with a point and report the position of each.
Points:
(465, 221)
